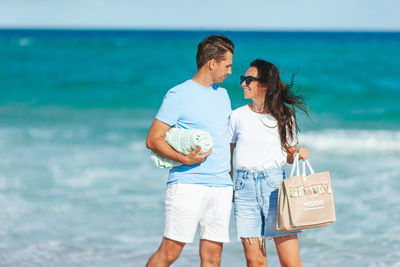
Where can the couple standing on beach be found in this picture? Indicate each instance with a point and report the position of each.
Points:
(199, 192)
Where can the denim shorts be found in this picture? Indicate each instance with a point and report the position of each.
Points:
(256, 203)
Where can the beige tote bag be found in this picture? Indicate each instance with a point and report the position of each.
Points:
(305, 201)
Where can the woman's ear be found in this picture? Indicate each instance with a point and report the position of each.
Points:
(264, 88)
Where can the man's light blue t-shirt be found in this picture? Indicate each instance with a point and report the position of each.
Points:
(192, 106)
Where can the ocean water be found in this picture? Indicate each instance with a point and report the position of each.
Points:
(78, 188)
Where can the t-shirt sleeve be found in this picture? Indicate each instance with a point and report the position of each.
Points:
(232, 129)
(229, 102)
(171, 108)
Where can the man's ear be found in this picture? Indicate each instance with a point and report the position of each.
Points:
(212, 63)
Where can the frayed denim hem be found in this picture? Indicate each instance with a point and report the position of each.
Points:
(299, 234)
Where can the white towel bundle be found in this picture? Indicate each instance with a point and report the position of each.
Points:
(183, 141)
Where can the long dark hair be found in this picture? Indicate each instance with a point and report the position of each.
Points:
(279, 101)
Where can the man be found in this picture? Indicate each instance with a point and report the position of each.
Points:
(199, 192)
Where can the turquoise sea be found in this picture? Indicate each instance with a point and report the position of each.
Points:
(78, 188)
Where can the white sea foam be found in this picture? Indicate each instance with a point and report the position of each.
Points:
(352, 141)
(138, 146)
(41, 133)
(25, 42)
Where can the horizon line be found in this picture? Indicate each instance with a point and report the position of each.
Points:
(199, 29)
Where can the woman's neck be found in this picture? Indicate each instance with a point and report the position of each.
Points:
(258, 106)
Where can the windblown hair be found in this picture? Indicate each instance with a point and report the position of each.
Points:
(213, 47)
(279, 101)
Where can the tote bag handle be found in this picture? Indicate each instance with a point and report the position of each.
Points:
(296, 166)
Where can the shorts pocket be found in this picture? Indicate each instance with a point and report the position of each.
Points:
(239, 184)
(275, 180)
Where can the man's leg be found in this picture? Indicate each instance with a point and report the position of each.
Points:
(210, 253)
(166, 254)
(183, 203)
(214, 225)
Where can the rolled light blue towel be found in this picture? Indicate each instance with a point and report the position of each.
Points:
(183, 141)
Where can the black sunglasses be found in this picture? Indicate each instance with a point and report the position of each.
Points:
(248, 79)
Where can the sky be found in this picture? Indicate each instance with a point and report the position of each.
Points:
(368, 15)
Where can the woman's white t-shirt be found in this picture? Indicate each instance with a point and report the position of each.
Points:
(258, 144)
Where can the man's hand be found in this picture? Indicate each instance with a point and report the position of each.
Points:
(194, 157)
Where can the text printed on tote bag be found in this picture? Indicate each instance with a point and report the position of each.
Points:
(314, 204)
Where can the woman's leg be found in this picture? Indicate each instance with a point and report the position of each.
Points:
(254, 251)
(248, 218)
(288, 250)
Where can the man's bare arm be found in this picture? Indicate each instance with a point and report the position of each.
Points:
(156, 142)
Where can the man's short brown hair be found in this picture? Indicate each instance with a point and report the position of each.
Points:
(213, 47)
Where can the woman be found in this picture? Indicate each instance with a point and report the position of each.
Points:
(264, 136)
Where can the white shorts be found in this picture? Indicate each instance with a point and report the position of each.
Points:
(189, 205)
